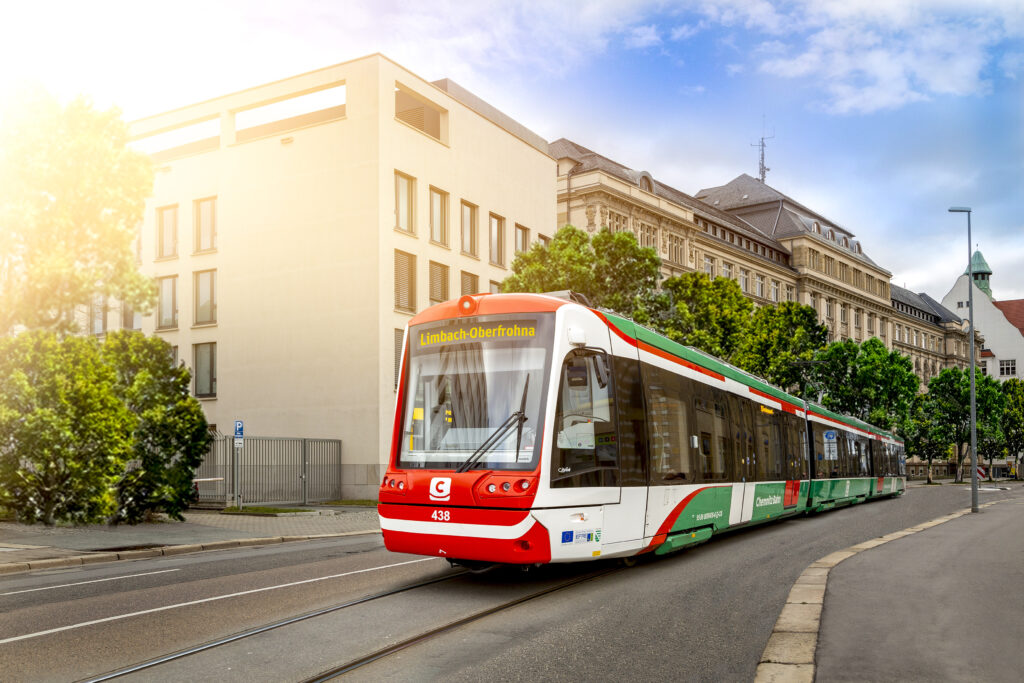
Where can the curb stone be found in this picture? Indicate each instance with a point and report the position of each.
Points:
(789, 655)
(78, 560)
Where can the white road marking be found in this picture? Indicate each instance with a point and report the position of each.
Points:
(81, 583)
(199, 602)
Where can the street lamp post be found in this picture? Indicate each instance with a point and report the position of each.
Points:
(970, 314)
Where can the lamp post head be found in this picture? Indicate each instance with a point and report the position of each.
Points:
(959, 209)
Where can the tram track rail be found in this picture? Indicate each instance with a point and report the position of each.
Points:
(368, 659)
(255, 631)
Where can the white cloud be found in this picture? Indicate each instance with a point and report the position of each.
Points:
(640, 37)
(685, 31)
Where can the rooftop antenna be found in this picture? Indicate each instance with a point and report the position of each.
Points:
(762, 170)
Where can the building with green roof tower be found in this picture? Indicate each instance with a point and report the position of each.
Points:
(982, 272)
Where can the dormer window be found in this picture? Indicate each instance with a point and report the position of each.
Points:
(829, 235)
(846, 242)
(646, 182)
(856, 247)
(816, 227)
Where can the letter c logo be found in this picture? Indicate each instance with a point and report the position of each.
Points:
(440, 488)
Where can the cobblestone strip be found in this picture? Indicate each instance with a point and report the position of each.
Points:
(789, 655)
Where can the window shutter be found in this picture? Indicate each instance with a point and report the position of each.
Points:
(405, 281)
(469, 284)
(438, 283)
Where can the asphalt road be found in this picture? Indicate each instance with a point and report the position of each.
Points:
(705, 614)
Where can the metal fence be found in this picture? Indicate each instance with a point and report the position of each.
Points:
(270, 470)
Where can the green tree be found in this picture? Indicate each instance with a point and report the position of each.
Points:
(64, 434)
(781, 341)
(866, 381)
(921, 433)
(170, 435)
(1013, 420)
(693, 309)
(71, 196)
(950, 394)
(611, 270)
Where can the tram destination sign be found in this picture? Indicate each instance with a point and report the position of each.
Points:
(462, 334)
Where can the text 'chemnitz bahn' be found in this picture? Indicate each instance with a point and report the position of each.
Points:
(530, 429)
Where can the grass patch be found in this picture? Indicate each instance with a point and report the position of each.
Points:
(362, 503)
(257, 510)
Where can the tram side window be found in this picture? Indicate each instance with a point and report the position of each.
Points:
(767, 463)
(586, 448)
(860, 446)
(713, 434)
(632, 421)
(668, 401)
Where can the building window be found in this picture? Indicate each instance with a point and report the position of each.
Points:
(167, 232)
(469, 231)
(438, 216)
(544, 239)
(744, 280)
(205, 294)
(760, 285)
(495, 287)
(206, 224)
(438, 283)
(648, 236)
(856, 318)
(709, 266)
(828, 308)
(174, 356)
(470, 283)
(405, 282)
(130, 318)
(676, 249)
(167, 307)
(405, 203)
(98, 315)
(1008, 368)
(983, 366)
(726, 270)
(399, 336)
(522, 238)
(814, 302)
(497, 240)
(790, 293)
(775, 290)
(617, 222)
(205, 365)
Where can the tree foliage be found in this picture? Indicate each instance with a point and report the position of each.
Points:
(170, 434)
(64, 435)
(1013, 419)
(610, 269)
(91, 433)
(693, 309)
(780, 342)
(922, 434)
(71, 196)
(950, 396)
(866, 381)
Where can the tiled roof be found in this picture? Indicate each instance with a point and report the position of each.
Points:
(945, 315)
(590, 160)
(1013, 310)
(794, 219)
(923, 302)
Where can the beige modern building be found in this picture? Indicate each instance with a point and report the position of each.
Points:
(774, 247)
(296, 226)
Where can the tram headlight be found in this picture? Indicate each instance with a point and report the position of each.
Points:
(522, 484)
(506, 486)
(401, 485)
(491, 488)
(391, 484)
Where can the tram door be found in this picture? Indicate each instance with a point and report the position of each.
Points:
(744, 460)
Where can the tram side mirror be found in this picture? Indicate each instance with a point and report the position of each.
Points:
(601, 370)
(576, 376)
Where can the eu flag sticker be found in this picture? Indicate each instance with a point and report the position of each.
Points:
(566, 537)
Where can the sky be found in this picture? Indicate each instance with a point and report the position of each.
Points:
(878, 115)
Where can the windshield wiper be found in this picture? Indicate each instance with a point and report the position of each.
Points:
(515, 419)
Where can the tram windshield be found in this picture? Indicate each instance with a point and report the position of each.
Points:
(474, 392)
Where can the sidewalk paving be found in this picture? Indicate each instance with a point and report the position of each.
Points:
(23, 548)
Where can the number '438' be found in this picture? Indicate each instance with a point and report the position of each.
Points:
(441, 516)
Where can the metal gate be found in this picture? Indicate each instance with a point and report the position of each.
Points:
(270, 470)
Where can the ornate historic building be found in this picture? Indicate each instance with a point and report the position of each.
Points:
(776, 248)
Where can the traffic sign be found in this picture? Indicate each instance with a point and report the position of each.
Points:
(239, 429)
